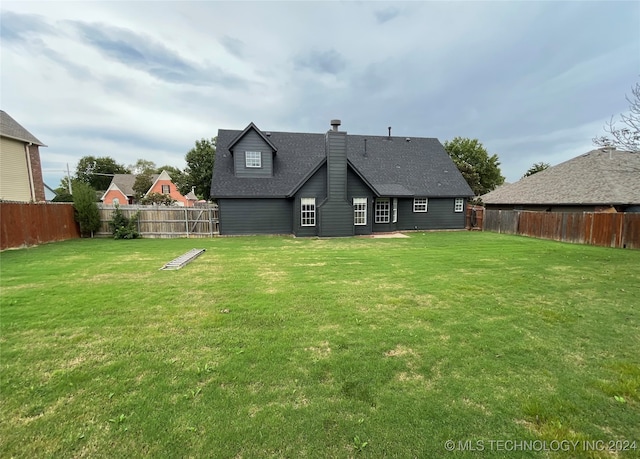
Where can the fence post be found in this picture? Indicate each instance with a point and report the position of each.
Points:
(186, 220)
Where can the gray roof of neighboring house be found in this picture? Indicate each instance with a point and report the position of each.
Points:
(125, 182)
(392, 167)
(12, 129)
(596, 177)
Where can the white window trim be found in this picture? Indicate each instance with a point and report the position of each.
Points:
(382, 217)
(162, 189)
(308, 215)
(458, 205)
(253, 159)
(395, 210)
(418, 206)
(360, 212)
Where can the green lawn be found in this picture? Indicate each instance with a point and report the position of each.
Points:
(282, 347)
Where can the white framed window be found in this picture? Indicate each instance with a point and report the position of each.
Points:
(116, 202)
(458, 205)
(252, 159)
(395, 210)
(420, 204)
(308, 211)
(382, 210)
(166, 189)
(359, 211)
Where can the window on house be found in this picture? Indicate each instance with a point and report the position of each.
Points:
(166, 189)
(395, 210)
(458, 205)
(115, 202)
(420, 204)
(253, 159)
(382, 210)
(359, 211)
(308, 211)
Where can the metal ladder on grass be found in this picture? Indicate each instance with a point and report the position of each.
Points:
(182, 260)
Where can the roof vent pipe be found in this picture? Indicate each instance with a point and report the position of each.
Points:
(335, 124)
(389, 131)
(365, 148)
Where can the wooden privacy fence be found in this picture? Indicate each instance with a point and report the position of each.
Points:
(25, 223)
(595, 228)
(166, 222)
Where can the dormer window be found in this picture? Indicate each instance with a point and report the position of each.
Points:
(253, 159)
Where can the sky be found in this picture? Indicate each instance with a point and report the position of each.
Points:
(532, 81)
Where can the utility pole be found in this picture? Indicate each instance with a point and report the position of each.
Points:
(69, 179)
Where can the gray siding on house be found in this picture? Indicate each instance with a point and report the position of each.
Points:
(356, 188)
(252, 142)
(335, 215)
(336, 165)
(315, 187)
(439, 215)
(255, 216)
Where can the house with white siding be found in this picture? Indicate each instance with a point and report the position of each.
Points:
(20, 169)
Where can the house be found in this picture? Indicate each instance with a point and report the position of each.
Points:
(120, 191)
(600, 180)
(334, 184)
(20, 171)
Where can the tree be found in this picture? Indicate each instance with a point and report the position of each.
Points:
(142, 184)
(627, 136)
(98, 172)
(143, 166)
(87, 213)
(200, 166)
(537, 167)
(157, 199)
(481, 171)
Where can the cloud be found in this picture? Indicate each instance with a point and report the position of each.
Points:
(233, 46)
(147, 55)
(329, 62)
(386, 14)
(17, 27)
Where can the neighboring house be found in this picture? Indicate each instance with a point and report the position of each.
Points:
(601, 180)
(120, 191)
(20, 169)
(334, 184)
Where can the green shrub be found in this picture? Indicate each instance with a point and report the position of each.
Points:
(124, 227)
(86, 209)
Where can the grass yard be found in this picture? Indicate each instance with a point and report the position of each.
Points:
(282, 347)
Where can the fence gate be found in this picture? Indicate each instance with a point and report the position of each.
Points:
(167, 222)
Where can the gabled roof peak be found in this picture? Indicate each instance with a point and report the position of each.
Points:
(253, 127)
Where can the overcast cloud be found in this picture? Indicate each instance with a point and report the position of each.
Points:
(533, 81)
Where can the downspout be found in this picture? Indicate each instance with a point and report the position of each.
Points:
(32, 188)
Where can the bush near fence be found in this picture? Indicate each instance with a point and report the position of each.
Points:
(25, 224)
(165, 221)
(595, 228)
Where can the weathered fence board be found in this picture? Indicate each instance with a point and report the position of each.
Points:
(595, 228)
(166, 222)
(24, 223)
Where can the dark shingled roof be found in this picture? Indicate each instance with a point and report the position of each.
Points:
(597, 177)
(12, 129)
(392, 166)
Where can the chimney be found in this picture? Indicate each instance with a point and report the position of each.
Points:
(335, 124)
